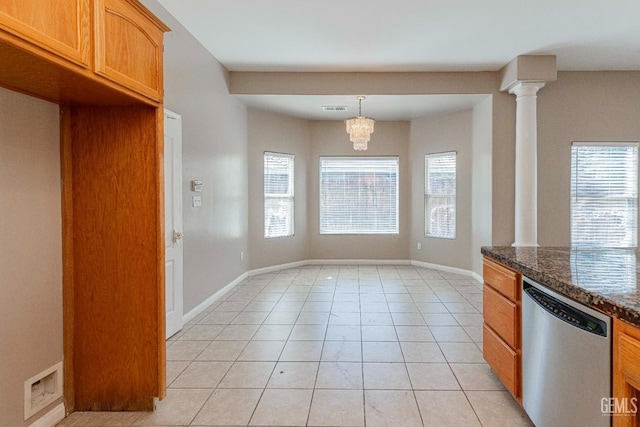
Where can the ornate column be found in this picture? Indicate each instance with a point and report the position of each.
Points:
(526, 173)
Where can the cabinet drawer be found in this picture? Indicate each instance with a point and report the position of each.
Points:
(128, 47)
(501, 279)
(501, 314)
(60, 26)
(503, 360)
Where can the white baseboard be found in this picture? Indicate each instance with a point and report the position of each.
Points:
(51, 418)
(213, 298)
(279, 267)
(448, 269)
(358, 262)
(297, 264)
(477, 277)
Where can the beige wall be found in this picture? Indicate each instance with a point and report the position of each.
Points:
(481, 181)
(282, 134)
(435, 134)
(502, 109)
(329, 138)
(214, 149)
(579, 106)
(31, 255)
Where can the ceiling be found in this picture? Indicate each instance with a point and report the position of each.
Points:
(379, 107)
(407, 35)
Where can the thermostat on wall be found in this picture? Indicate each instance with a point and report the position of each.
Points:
(196, 185)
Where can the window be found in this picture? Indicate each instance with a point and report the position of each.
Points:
(359, 195)
(440, 195)
(604, 194)
(278, 195)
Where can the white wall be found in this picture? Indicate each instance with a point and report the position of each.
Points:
(329, 138)
(31, 252)
(214, 151)
(282, 134)
(436, 134)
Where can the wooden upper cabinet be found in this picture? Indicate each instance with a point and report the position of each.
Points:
(128, 46)
(59, 26)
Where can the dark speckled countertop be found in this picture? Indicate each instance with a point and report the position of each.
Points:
(606, 280)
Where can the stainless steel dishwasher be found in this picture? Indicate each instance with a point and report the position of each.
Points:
(566, 360)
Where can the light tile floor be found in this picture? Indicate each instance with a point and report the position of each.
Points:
(332, 346)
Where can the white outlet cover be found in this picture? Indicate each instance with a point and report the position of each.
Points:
(51, 391)
(196, 201)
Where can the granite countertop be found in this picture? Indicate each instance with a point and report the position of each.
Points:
(606, 280)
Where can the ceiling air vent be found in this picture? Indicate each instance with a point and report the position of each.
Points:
(334, 108)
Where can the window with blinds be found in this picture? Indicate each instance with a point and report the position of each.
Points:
(359, 195)
(278, 195)
(440, 195)
(604, 194)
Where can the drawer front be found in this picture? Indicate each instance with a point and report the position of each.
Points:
(503, 360)
(501, 315)
(501, 279)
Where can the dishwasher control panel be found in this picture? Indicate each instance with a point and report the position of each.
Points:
(566, 313)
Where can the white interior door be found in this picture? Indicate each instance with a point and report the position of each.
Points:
(173, 220)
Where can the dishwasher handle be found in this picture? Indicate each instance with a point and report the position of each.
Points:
(565, 312)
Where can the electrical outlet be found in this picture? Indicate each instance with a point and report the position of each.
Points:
(41, 390)
(241, 255)
(419, 246)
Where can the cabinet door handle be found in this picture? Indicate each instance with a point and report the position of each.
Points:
(177, 236)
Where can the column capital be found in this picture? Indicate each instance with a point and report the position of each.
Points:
(525, 88)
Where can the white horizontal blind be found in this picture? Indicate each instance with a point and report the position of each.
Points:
(278, 195)
(604, 194)
(440, 195)
(359, 195)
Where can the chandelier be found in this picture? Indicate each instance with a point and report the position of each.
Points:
(360, 128)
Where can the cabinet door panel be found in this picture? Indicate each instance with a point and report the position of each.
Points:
(503, 360)
(626, 373)
(60, 26)
(128, 47)
(628, 357)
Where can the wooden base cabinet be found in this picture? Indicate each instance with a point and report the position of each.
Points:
(626, 374)
(501, 339)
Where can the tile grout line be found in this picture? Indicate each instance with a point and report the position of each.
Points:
(309, 292)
